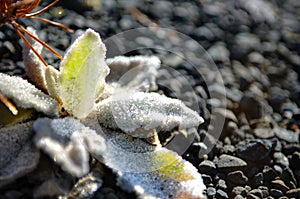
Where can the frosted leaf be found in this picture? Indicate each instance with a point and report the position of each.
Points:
(83, 71)
(34, 67)
(26, 95)
(137, 72)
(15, 151)
(150, 171)
(135, 112)
(68, 143)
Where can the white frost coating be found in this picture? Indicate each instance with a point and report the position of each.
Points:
(132, 112)
(83, 73)
(68, 142)
(15, 151)
(26, 95)
(152, 172)
(137, 72)
(34, 67)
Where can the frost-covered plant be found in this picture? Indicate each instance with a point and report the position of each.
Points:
(106, 119)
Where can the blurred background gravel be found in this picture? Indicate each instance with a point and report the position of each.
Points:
(256, 47)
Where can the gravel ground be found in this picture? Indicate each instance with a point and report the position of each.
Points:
(255, 46)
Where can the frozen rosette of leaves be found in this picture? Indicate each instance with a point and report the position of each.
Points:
(140, 166)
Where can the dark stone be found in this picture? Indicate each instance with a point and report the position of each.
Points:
(293, 193)
(253, 150)
(295, 160)
(289, 149)
(228, 163)
(288, 178)
(276, 193)
(277, 97)
(251, 106)
(256, 192)
(264, 190)
(269, 174)
(237, 178)
(207, 167)
(252, 196)
(206, 179)
(279, 184)
(257, 180)
(281, 159)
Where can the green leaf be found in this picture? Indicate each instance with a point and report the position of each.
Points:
(83, 71)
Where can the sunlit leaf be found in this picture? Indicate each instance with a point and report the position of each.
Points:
(82, 73)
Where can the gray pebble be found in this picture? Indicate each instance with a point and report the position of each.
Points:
(237, 178)
(207, 167)
(228, 163)
(276, 193)
(295, 193)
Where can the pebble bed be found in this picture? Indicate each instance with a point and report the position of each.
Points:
(256, 47)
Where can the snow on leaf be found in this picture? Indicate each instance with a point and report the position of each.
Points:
(133, 112)
(83, 71)
(68, 142)
(150, 171)
(26, 95)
